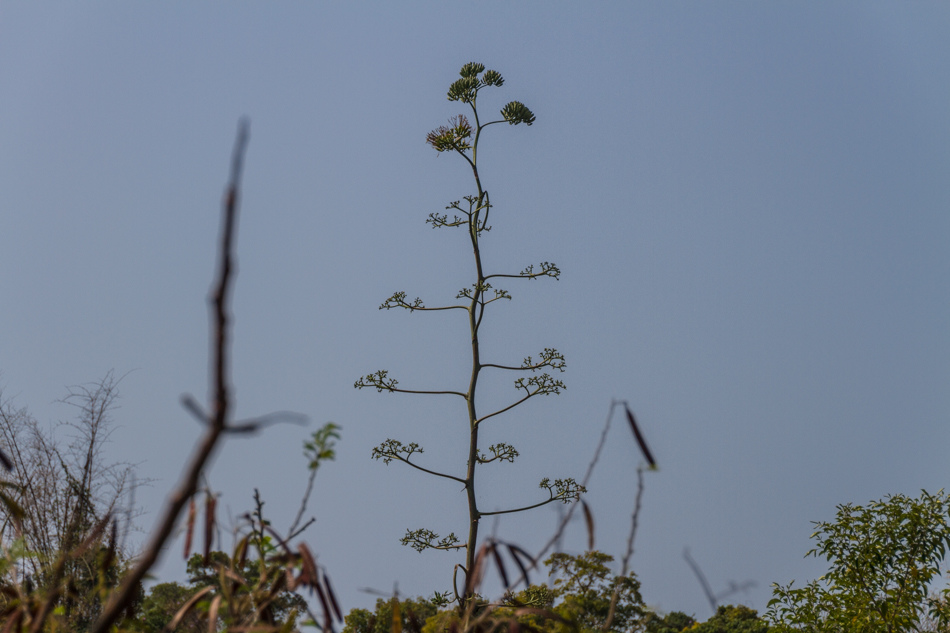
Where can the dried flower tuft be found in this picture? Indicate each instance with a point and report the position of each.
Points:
(453, 136)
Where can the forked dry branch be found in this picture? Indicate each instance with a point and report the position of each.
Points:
(218, 424)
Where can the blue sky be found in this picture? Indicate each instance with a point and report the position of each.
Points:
(748, 201)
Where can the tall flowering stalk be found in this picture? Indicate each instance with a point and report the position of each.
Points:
(471, 212)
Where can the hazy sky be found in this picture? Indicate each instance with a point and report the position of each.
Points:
(748, 201)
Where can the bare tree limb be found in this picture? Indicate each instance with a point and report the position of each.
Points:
(221, 404)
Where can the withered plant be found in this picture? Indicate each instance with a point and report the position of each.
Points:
(58, 497)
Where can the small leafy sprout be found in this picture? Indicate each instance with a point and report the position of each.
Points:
(440, 599)
(322, 446)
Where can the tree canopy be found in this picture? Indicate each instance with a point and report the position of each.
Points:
(882, 558)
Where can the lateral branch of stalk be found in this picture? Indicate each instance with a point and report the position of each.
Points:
(531, 507)
(394, 449)
(508, 408)
(431, 472)
(564, 490)
(381, 382)
(398, 300)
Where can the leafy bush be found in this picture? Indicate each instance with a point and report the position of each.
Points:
(882, 559)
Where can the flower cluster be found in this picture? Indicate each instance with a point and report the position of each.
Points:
(453, 136)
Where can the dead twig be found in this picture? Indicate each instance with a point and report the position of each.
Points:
(221, 404)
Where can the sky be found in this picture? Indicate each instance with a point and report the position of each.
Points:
(748, 202)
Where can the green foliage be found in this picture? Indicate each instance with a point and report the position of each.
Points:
(674, 622)
(68, 593)
(322, 445)
(240, 591)
(61, 552)
(162, 603)
(727, 619)
(411, 615)
(732, 619)
(590, 598)
(882, 558)
(586, 598)
(258, 583)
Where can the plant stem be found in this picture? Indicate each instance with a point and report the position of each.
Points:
(473, 320)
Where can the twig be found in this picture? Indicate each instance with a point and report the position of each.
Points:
(205, 448)
(292, 531)
(625, 566)
(634, 521)
(713, 603)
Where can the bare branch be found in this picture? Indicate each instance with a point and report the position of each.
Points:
(221, 406)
